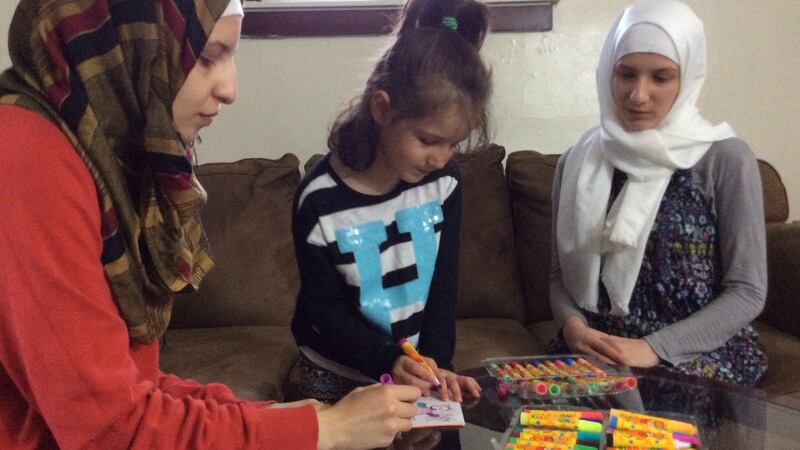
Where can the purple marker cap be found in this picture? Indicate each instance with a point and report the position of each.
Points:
(502, 391)
(386, 379)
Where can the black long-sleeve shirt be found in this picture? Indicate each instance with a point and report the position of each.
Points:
(375, 269)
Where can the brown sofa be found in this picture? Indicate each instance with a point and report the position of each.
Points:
(235, 330)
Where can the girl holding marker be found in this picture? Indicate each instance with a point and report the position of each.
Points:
(659, 252)
(376, 221)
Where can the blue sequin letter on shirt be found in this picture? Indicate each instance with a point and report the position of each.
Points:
(364, 242)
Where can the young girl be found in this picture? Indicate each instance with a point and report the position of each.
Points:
(376, 222)
(659, 253)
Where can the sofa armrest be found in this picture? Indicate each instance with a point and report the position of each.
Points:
(782, 310)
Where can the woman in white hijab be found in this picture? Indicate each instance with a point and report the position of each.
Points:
(659, 251)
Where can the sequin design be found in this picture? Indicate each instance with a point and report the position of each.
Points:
(384, 306)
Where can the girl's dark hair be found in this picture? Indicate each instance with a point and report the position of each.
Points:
(429, 67)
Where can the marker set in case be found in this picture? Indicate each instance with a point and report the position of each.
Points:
(554, 376)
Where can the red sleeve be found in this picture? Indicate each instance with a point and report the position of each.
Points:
(62, 341)
(179, 387)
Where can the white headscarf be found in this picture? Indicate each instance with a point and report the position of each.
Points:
(234, 8)
(592, 245)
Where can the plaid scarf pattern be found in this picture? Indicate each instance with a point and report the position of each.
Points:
(106, 72)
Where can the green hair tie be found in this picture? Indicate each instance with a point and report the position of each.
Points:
(449, 22)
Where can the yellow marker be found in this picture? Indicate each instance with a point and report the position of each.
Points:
(536, 372)
(589, 366)
(544, 368)
(522, 370)
(558, 370)
(643, 422)
(630, 438)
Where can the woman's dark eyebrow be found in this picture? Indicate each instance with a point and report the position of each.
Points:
(217, 47)
(667, 70)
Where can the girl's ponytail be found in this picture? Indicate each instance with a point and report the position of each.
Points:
(469, 17)
(433, 64)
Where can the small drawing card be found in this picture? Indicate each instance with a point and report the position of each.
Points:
(435, 413)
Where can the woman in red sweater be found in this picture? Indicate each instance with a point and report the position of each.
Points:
(98, 230)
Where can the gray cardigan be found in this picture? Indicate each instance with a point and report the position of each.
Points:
(728, 176)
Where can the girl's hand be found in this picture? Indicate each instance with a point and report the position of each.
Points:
(451, 385)
(582, 338)
(634, 352)
(408, 371)
(368, 417)
(456, 385)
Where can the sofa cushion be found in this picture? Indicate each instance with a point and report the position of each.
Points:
(530, 180)
(784, 360)
(253, 361)
(783, 268)
(776, 201)
(312, 161)
(248, 222)
(544, 332)
(489, 281)
(478, 339)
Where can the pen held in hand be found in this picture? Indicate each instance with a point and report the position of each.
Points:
(412, 353)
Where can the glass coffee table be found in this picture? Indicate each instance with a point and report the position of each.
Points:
(731, 417)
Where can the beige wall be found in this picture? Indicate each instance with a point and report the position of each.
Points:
(291, 89)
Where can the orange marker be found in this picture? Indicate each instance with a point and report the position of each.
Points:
(412, 353)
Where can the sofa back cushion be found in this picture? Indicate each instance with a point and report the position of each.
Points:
(248, 222)
(489, 281)
(776, 201)
(530, 180)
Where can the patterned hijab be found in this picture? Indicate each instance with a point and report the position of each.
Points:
(106, 72)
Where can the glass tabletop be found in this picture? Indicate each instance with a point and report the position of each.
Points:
(730, 417)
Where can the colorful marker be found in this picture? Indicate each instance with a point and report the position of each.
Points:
(536, 372)
(547, 446)
(630, 438)
(559, 437)
(567, 420)
(547, 371)
(589, 366)
(412, 353)
(634, 421)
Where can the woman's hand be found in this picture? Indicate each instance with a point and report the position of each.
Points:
(634, 352)
(610, 349)
(582, 338)
(368, 417)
